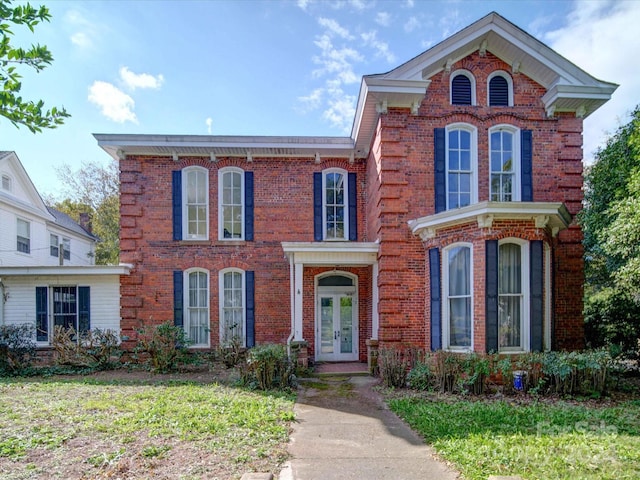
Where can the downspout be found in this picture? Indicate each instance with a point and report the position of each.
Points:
(1, 302)
(292, 289)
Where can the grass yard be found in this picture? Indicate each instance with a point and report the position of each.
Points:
(536, 441)
(140, 428)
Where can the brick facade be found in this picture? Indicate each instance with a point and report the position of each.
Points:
(392, 153)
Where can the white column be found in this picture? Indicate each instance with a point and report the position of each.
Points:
(298, 302)
(375, 320)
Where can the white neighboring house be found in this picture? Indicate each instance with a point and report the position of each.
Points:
(48, 275)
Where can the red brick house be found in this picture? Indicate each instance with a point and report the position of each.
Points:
(445, 221)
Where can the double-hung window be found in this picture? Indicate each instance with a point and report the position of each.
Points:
(66, 307)
(195, 206)
(513, 317)
(66, 248)
(232, 306)
(504, 151)
(54, 245)
(336, 210)
(461, 164)
(23, 238)
(231, 203)
(197, 307)
(458, 283)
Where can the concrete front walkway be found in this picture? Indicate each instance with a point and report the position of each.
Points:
(343, 430)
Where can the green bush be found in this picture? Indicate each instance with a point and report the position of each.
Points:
(165, 344)
(17, 348)
(268, 367)
(420, 376)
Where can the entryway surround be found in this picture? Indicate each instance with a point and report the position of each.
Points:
(337, 324)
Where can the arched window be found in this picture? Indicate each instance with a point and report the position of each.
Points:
(335, 202)
(195, 203)
(232, 306)
(463, 87)
(504, 148)
(458, 298)
(461, 165)
(196, 324)
(231, 205)
(513, 287)
(500, 89)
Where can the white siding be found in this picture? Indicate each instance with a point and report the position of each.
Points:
(20, 306)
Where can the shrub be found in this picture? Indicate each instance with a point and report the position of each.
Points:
(268, 367)
(96, 349)
(17, 348)
(420, 376)
(395, 365)
(474, 370)
(446, 370)
(165, 344)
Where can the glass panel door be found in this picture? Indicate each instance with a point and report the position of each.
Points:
(337, 329)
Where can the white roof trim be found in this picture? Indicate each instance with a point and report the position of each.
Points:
(43, 271)
(332, 253)
(545, 214)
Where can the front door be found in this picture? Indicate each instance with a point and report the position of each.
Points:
(336, 327)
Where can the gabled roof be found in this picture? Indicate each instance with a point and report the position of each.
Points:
(65, 221)
(569, 89)
(32, 202)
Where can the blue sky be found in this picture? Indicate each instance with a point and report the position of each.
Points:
(274, 67)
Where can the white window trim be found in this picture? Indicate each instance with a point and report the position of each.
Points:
(517, 160)
(29, 237)
(221, 303)
(471, 78)
(345, 175)
(185, 209)
(221, 174)
(445, 297)
(526, 299)
(9, 181)
(507, 77)
(185, 303)
(474, 159)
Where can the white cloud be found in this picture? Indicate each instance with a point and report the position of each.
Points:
(359, 4)
(410, 3)
(602, 39)
(335, 61)
(113, 102)
(311, 102)
(383, 19)
(209, 122)
(334, 28)
(381, 48)
(341, 111)
(142, 80)
(411, 24)
(82, 40)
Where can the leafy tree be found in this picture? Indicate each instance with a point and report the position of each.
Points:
(94, 189)
(611, 225)
(29, 113)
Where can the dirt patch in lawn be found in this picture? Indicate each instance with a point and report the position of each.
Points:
(138, 425)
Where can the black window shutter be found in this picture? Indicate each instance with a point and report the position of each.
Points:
(178, 304)
(491, 295)
(248, 206)
(526, 165)
(436, 303)
(440, 180)
(317, 206)
(84, 309)
(176, 190)
(42, 318)
(461, 90)
(537, 288)
(250, 308)
(353, 208)
(498, 92)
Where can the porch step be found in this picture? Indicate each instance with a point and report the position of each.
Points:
(340, 369)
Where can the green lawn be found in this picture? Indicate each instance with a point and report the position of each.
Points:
(536, 441)
(138, 429)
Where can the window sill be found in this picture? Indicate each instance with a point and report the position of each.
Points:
(194, 242)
